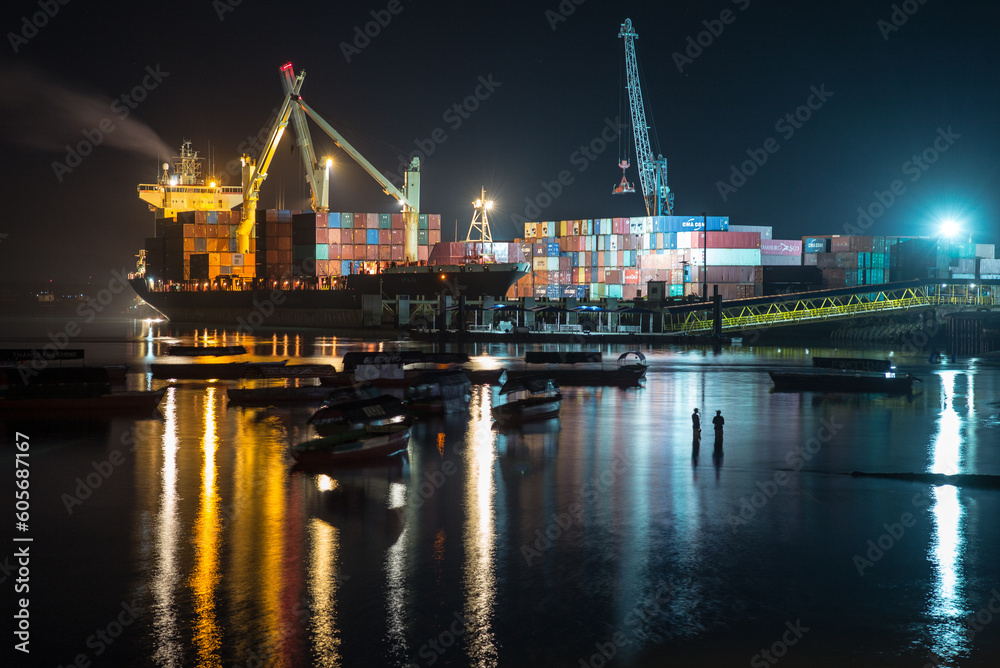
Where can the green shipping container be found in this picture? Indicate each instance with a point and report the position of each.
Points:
(347, 220)
(675, 291)
(422, 236)
(385, 221)
(422, 222)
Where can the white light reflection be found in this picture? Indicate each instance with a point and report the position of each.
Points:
(946, 606)
(480, 533)
(169, 649)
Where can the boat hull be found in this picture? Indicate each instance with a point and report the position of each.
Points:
(104, 406)
(353, 447)
(530, 409)
(841, 382)
(620, 377)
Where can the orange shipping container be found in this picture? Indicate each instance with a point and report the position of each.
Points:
(384, 252)
(371, 251)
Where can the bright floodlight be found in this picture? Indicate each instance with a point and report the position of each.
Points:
(949, 228)
(212, 184)
(329, 163)
(478, 204)
(489, 204)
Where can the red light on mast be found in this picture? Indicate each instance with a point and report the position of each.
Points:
(287, 66)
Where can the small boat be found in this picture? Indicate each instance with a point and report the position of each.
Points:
(530, 398)
(210, 370)
(70, 393)
(117, 372)
(293, 371)
(403, 368)
(584, 368)
(206, 351)
(342, 414)
(266, 396)
(353, 446)
(439, 392)
(843, 381)
(852, 364)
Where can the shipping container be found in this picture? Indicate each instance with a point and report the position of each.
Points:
(780, 247)
(765, 231)
(385, 221)
(346, 220)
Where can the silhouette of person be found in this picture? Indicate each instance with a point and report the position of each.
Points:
(719, 422)
(696, 423)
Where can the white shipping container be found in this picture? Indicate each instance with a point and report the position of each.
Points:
(734, 256)
(809, 259)
(781, 260)
(553, 263)
(765, 230)
(990, 266)
(613, 242)
(986, 251)
(683, 240)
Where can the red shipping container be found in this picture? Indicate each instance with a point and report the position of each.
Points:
(631, 276)
(396, 236)
(360, 236)
(285, 230)
(333, 235)
(347, 252)
(322, 219)
(384, 252)
(371, 252)
(434, 222)
(433, 237)
(333, 252)
(285, 244)
(321, 267)
(384, 237)
(321, 236)
(781, 247)
(422, 253)
(396, 253)
(397, 221)
(200, 230)
(371, 221)
(200, 217)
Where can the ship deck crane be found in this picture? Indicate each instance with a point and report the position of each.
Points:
(652, 171)
(294, 107)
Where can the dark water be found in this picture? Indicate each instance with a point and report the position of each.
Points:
(595, 540)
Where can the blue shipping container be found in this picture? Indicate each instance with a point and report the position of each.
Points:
(816, 246)
(553, 250)
(213, 217)
(371, 236)
(333, 220)
(675, 291)
(345, 267)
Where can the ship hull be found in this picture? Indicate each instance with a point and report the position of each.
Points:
(341, 308)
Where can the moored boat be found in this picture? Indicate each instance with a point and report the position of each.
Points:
(583, 368)
(265, 396)
(852, 364)
(439, 392)
(843, 381)
(530, 398)
(347, 414)
(206, 351)
(75, 393)
(209, 371)
(354, 446)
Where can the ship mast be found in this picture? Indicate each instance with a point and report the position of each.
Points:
(480, 223)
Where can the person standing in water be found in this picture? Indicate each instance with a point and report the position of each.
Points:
(696, 423)
(719, 422)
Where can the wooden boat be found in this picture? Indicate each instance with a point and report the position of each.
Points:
(206, 351)
(209, 371)
(843, 381)
(353, 446)
(266, 396)
(852, 364)
(439, 392)
(340, 415)
(72, 393)
(531, 398)
(584, 368)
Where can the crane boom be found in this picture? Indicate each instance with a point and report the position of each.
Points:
(652, 171)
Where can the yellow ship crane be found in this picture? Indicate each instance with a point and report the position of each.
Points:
(318, 175)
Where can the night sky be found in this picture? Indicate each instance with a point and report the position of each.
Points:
(555, 71)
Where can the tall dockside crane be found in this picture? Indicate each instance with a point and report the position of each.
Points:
(318, 175)
(652, 171)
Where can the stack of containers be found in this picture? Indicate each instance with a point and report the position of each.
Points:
(338, 244)
(274, 242)
(197, 245)
(847, 261)
(609, 257)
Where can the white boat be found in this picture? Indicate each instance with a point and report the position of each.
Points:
(530, 398)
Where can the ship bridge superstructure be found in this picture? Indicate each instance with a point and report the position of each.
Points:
(181, 187)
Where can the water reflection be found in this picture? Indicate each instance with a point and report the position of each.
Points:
(480, 533)
(947, 605)
(169, 649)
(323, 560)
(205, 576)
